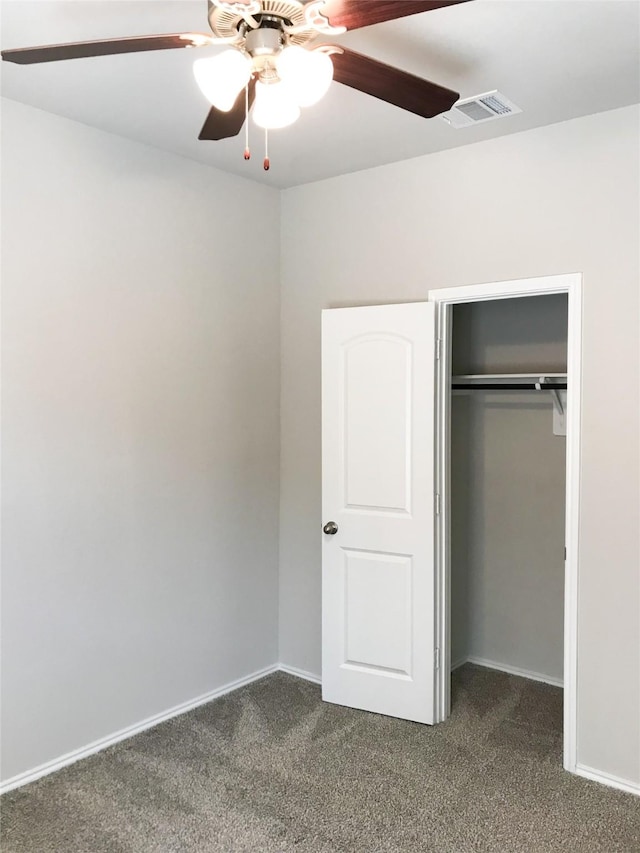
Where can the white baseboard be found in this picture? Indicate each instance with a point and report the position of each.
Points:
(300, 673)
(511, 670)
(130, 731)
(607, 779)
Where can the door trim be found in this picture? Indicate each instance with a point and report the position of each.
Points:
(445, 299)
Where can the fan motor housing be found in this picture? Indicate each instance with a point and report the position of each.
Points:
(229, 23)
(267, 40)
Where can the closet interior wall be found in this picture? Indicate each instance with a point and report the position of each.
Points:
(508, 490)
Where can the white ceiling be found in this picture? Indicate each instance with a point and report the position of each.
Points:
(556, 59)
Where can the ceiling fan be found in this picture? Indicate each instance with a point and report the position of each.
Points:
(270, 60)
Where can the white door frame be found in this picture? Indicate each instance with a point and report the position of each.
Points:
(571, 284)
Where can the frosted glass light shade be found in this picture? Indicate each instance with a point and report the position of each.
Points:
(221, 77)
(274, 107)
(307, 73)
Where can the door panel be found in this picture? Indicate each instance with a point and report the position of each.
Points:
(376, 583)
(378, 463)
(387, 403)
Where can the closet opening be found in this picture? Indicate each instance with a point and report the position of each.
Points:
(509, 379)
(506, 555)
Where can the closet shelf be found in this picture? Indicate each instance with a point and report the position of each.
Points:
(509, 382)
(552, 382)
(522, 377)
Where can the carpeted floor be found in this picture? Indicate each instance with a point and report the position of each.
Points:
(271, 768)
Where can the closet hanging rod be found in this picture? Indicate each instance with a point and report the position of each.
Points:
(502, 386)
(531, 376)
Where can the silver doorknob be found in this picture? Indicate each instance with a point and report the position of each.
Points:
(330, 528)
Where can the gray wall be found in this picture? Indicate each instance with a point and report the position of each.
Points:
(140, 433)
(511, 335)
(559, 199)
(508, 489)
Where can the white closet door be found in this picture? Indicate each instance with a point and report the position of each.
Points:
(378, 617)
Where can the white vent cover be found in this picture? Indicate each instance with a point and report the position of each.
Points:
(481, 108)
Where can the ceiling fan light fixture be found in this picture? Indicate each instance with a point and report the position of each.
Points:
(221, 77)
(275, 106)
(268, 62)
(307, 73)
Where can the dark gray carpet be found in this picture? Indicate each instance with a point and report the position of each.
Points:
(271, 768)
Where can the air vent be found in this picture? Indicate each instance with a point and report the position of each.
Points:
(482, 108)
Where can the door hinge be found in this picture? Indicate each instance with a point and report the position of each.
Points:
(436, 659)
(565, 553)
(438, 504)
(438, 348)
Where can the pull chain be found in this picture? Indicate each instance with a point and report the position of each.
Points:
(266, 162)
(247, 150)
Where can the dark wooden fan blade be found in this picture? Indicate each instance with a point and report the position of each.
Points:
(83, 49)
(391, 84)
(353, 14)
(221, 125)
